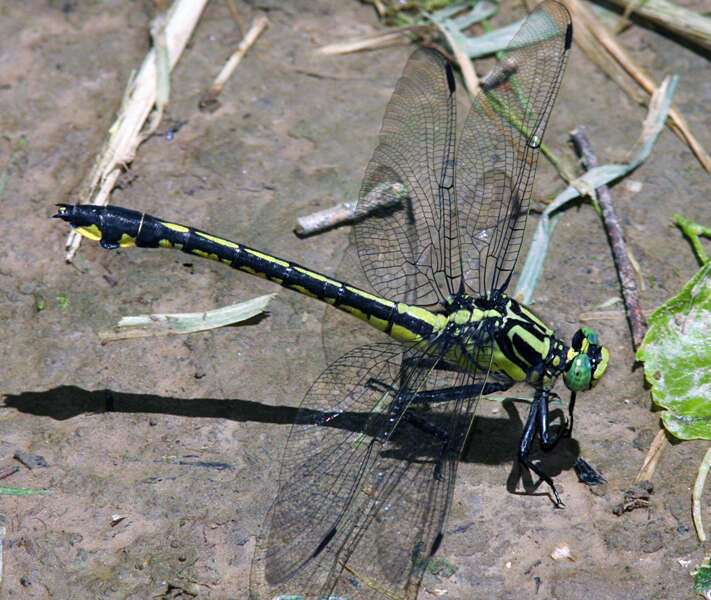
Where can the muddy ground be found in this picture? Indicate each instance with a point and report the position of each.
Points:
(181, 436)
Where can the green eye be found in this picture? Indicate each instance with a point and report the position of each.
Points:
(578, 374)
(591, 336)
(584, 335)
(602, 365)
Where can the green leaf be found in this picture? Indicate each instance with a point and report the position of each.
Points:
(702, 580)
(677, 359)
(62, 300)
(22, 491)
(163, 324)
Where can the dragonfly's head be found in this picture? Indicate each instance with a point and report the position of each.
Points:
(586, 361)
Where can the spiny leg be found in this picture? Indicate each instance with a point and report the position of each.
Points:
(537, 422)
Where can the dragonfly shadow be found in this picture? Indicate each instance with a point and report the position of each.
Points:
(492, 440)
(66, 402)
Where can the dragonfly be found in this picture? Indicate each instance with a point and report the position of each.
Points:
(368, 472)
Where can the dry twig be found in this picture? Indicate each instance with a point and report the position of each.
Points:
(617, 241)
(382, 196)
(380, 39)
(125, 133)
(649, 464)
(209, 101)
(681, 21)
(236, 16)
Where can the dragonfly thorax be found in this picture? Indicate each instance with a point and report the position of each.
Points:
(497, 330)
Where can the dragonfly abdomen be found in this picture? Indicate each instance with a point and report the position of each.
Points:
(117, 227)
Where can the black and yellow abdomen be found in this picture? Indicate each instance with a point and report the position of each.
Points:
(115, 227)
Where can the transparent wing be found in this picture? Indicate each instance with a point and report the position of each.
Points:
(500, 143)
(408, 181)
(364, 493)
(428, 228)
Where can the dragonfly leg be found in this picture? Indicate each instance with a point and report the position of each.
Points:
(425, 426)
(443, 394)
(537, 415)
(447, 395)
(549, 442)
(571, 405)
(436, 432)
(586, 473)
(453, 393)
(404, 400)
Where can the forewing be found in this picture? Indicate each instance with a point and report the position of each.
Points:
(500, 143)
(406, 191)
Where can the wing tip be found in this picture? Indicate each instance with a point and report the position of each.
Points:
(568, 36)
(324, 542)
(436, 543)
(450, 77)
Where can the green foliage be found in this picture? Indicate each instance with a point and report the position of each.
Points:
(7, 491)
(677, 359)
(40, 302)
(702, 580)
(62, 300)
(399, 13)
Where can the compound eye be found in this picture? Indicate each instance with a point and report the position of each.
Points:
(582, 336)
(578, 374)
(591, 336)
(601, 365)
(578, 338)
